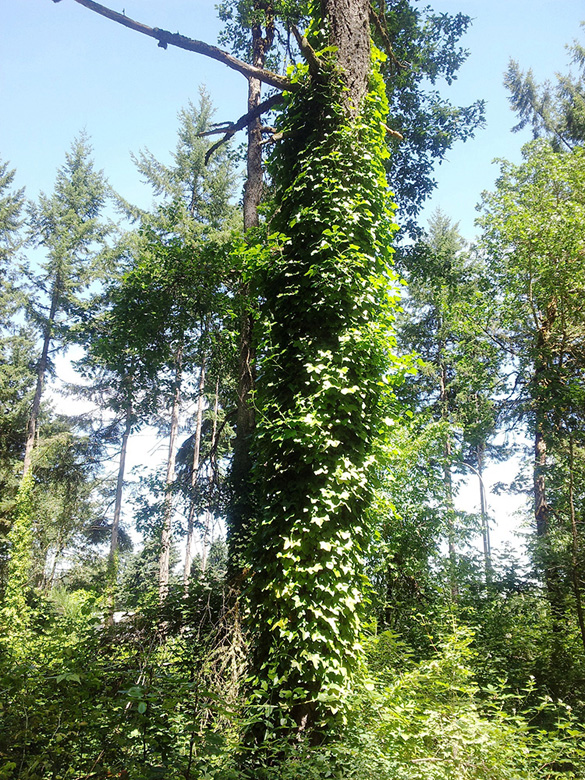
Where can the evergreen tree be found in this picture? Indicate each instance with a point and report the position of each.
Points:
(459, 375)
(67, 226)
(533, 236)
(553, 111)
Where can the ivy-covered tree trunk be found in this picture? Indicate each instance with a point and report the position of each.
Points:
(326, 292)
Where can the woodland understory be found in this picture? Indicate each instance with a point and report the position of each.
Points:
(295, 593)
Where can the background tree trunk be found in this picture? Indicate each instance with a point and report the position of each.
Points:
(167, 528)
(194, 473)
(41, 373)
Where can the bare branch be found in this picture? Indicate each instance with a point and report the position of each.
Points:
(393, 133)
(165, 38)
(274, 138)
(230, 128)
(315, 64)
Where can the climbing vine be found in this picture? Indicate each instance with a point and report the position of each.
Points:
(328, 295)
(15, 611)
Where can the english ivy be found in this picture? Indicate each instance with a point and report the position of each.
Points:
(323, 382)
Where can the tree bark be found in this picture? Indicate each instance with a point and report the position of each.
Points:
(575, 543)
(349, 31)
(241, 462)
(542, 510)
(167, 529)
(212, 465)
(485, 526)
(448, 482)
(194, 473)
(113, 554)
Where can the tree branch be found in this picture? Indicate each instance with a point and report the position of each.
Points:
(244, 121)
(164, 38)
(315, 64)
(383, 32)
(230, 128)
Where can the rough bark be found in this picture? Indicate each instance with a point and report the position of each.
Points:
(349, 31)
(167, 529)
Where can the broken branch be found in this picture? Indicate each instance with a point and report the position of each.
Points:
(165, 38)
(308, 52)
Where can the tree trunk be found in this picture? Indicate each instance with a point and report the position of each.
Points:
(212, 466)
(485, 524)
(41, 373)
(575, 543)
(166, 534)
(349, 31)
(313, 441)
(194, 473)
(113, 554)
(448, 483)
(239, 512)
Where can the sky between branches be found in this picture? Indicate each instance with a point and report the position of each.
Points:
(63, 68)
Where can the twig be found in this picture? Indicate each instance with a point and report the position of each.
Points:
(230, 128)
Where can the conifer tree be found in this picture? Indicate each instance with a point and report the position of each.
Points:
(67, 226)
(555, 111)
(534, 239)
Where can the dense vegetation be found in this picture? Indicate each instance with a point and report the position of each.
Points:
(294, 592)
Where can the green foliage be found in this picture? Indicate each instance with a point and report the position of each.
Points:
(14, 612)
(68, 226)
(80, 699)
(554, 111)
(425, 53)
(17, 352)
(534, 238)
(328, 297)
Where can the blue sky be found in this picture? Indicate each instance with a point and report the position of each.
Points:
(63, 68)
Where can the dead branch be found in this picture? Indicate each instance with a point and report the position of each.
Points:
(230, 128)
(274, 138)
(166, 38)
(393, 133)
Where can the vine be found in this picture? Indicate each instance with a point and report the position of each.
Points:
(328, 296)
(15, 613)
